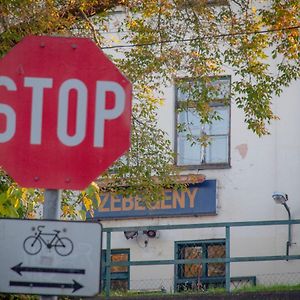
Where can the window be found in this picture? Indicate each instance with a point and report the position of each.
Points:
(119, 274)
(201, 275)
(199, 144)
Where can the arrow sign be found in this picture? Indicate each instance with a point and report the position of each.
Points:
(19, 269)
(75, 285)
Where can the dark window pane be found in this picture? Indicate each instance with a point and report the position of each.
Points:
(216, 269)
(119, 284)
(192, 270)
(216, 251)
(119, 257)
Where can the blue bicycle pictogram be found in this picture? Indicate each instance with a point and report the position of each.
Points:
(33, 244)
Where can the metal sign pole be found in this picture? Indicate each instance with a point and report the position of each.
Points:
(51, 211)
(51, 208)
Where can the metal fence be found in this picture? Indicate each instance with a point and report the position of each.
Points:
(212, 257)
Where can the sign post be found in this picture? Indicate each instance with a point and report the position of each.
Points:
(51, 207)
(51, 211)
(65, 116)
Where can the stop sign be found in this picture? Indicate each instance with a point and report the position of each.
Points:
(65, 112)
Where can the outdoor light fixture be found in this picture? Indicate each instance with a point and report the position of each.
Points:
(281, 198)
(130, 234)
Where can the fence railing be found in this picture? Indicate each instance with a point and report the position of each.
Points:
(228, 259)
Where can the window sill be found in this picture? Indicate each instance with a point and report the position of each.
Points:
(204, 166)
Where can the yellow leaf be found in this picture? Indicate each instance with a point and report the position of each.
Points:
(132, 24)
(95, 186)
(65, 210)
(31, 215)
(40, 199)
(161, 101)
(115, 39)
(24, 194)
(9, 190)
(16, 205)
(87, 203)
(82, 214)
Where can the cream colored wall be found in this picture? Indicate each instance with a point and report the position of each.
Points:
(259, 167)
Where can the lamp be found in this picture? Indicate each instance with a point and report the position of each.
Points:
(281, 198)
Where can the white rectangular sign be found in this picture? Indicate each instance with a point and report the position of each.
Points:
(50, 257)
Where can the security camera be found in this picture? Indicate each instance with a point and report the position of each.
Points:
(151, 233)
(130, 234)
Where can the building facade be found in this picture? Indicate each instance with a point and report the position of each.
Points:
(235, 179)
(232, 179)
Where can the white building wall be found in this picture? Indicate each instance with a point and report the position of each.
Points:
(259, 167)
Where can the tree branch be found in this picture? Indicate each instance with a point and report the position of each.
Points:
(65, 17)
(92, 27)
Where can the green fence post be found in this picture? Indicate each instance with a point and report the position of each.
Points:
(108, 264)
(227, 265)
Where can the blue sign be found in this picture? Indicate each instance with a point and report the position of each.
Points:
(196, 199)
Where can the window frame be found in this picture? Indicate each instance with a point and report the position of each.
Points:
(192, 3)
(202, 166)
(205, 280)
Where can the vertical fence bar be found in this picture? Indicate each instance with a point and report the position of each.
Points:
(227, 265)
(108, 266)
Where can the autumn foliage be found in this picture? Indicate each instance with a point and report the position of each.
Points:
(157, 42)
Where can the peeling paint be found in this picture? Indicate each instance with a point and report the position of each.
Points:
(243, 150)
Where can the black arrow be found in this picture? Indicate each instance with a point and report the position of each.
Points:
(75, 285)
(19, 269)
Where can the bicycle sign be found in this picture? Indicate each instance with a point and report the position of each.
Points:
(33, 244)
(44, 257)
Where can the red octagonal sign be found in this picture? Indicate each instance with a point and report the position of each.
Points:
(65, 112)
